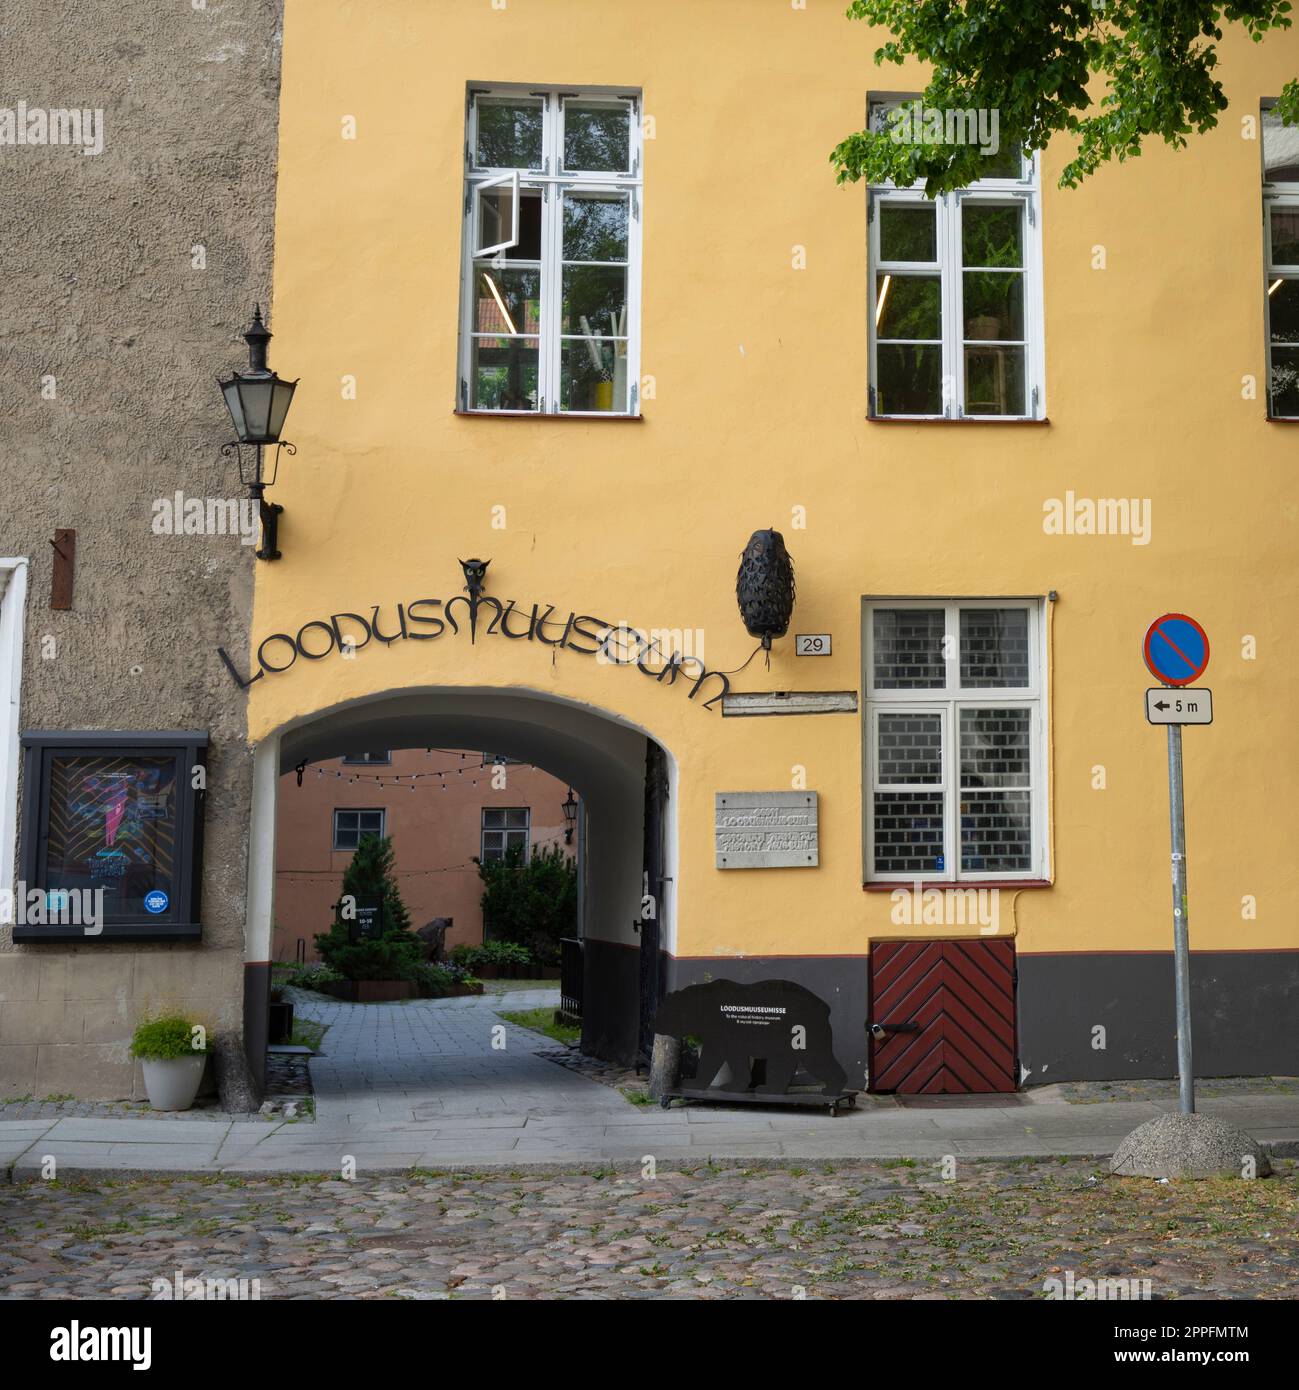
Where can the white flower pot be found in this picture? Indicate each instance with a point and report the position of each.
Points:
(173, 1082)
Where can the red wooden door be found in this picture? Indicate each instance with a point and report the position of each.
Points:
(947, 1009)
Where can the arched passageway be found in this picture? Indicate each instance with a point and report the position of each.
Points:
(626, 783)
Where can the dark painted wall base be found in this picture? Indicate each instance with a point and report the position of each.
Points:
(610, 1001)
(1244, 1015)
(1245, 1009)
(257, 1002)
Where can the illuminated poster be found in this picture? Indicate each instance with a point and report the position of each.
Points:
(112, 825)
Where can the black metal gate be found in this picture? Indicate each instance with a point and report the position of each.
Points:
(653, 887)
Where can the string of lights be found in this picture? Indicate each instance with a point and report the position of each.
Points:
(411, 779)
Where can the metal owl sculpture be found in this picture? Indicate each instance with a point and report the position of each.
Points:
(764, 586)
(475, 581)
(475, 576)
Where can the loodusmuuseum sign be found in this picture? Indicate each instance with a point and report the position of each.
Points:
(426, 619)
(763, 1034)
(766, 830)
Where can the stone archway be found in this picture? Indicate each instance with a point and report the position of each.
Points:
(602, 756)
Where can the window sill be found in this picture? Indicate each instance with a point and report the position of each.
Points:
(962, 420)
(538, 415)
(1004, 883)
(109, 931)
(1282, 419)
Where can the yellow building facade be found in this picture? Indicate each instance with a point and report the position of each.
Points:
(982, 572)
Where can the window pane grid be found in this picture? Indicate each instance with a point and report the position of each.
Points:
(579, 227)
(954, 780)
(982, 355)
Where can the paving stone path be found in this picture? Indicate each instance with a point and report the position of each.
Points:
(822, 1231)
(427, 1059)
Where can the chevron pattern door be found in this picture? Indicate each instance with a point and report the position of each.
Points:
(947, 1009)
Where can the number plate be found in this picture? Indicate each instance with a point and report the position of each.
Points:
(812, 644)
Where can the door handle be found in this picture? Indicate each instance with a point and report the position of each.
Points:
(879, 1031)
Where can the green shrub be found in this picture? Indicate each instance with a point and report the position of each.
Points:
(164, 1039)
(397, 953)
(531, 904)
(436, 981)
(491, 953)
(311, 975)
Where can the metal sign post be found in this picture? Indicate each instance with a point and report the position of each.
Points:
(1176, 650)
(1181, 934)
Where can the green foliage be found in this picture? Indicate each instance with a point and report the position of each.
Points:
(436, 981)
(397, 952)
(167, 1038)
(532, 904)
(543, 1021)
(310, 975)
(491, 953)
(1033, 61)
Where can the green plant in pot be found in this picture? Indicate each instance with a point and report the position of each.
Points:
(173, 1051)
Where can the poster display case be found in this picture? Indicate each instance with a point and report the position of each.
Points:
(111, 836)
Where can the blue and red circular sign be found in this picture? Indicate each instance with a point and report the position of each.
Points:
(1176, 649)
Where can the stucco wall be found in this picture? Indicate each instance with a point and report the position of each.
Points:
(127, 276)
(755, 291)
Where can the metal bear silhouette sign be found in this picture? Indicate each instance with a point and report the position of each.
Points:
(763, 1034)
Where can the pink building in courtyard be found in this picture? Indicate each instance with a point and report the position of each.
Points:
(443, 808)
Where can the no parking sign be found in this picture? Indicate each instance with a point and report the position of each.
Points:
(1176, 649)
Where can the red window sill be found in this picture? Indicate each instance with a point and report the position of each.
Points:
(1283, 419)
(964, 420)
(959, 883)
(537, 415)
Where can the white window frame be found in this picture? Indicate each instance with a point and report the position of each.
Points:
(1025, 191)
(357, 811)
(13, 603)
(552, 186)
(951, 698)
(505, 830)
(1274, 195)
(510, 180)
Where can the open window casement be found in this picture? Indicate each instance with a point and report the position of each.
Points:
(496, 215)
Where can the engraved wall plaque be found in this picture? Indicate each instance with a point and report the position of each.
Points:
(766, 830)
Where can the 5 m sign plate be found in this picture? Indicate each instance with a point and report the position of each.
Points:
(1179, 706)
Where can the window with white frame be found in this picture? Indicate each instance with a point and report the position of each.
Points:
(956, 319)
(550, 298)
(350, 826)
(955, 723)
(505, 828)
(1281, 239)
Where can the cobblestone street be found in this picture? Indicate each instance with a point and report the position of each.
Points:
(891, 1230)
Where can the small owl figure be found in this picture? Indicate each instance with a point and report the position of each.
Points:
(475, 576)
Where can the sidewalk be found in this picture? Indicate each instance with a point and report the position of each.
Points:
(386, 1144)
(446, 1084)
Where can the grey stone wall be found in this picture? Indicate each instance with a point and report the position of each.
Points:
(127, 276)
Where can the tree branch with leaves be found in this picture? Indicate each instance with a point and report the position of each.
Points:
(1035, 62)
